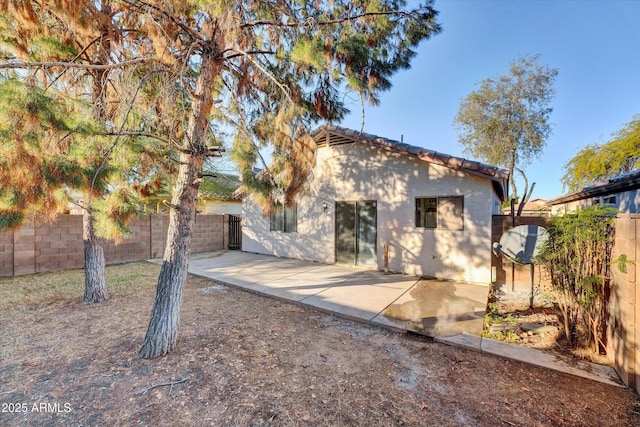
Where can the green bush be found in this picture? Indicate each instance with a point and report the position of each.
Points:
(578, 257)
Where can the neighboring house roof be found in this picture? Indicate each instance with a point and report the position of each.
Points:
(222, 186)
(537, 205)
(332, 134)
(617, 184)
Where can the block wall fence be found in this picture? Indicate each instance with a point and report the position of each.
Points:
(623, 338)
(39, 247)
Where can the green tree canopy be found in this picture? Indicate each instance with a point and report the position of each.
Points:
(599, 162)
(262, 71)
(505, 122)
(50, 146)
(81, 108)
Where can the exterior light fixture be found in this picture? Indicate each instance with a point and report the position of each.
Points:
(325, 206)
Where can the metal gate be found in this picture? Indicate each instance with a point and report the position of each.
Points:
(235, 232)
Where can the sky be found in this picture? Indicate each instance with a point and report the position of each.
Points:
(595, 45)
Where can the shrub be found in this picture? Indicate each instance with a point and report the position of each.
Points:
(578, 257)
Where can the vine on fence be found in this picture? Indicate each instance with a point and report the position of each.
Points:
(578, 257)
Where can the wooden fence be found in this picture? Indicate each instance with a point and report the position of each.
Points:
(509, 277)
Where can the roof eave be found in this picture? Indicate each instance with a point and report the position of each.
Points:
(617, 186)
(498, 176)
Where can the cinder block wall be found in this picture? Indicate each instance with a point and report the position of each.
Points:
(56, 245)
(624, 307)
(6, 253)
(39, 247)
(134, 248)
(208, 233)
(159, 226)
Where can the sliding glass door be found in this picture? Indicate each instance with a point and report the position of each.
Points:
(356, 233)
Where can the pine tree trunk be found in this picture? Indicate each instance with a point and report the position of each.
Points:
(162, 334)
(95, 285)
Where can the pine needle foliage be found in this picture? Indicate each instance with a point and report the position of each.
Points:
(32, 171)
(51, 146)
(280, 66)
(264, 72)
(62, 127)
(313, 54)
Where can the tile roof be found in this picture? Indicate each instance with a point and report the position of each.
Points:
(339, 135)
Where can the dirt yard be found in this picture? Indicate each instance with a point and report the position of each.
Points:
(510, 319)
(244, 360)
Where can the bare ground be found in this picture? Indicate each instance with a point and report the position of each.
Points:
(510, 319)
(244, 359)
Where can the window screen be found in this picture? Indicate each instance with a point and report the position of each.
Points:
(446, 213)
(284, 218)
(426, 212)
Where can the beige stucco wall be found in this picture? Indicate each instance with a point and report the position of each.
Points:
(356, 172)
(570, 207)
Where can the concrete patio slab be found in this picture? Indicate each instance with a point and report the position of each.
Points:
(440, 308)
(362, 296)
(278, 277)
(451, 312)
(464, 340)
(250, 271)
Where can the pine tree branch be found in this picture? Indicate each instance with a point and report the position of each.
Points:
(171, 205)
(282, 87)
(144, 6)
(142, 135)
(84, 49)
(214, 151)
(243, 127)
(115, 142)
(313, 22)
(251, 52)
(30, 65)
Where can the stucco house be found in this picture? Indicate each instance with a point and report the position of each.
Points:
(620, 192)
(431, 211)
(217, 195)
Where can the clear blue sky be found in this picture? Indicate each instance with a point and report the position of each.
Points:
(595, 45)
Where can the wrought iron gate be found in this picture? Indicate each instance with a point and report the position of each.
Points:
(235, 232)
